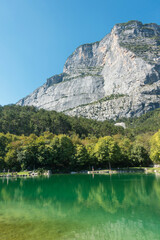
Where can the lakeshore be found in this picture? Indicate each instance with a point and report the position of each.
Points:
(146, 170)
(127, 170)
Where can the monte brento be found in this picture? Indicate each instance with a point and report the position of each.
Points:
(116, 77)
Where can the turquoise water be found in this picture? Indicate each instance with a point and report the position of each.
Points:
(117, 207)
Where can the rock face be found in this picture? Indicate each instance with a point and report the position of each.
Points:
(116, 77)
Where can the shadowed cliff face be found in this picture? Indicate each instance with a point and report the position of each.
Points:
(118, 76)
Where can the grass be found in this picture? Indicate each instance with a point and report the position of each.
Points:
(23, 173)
(2, 174)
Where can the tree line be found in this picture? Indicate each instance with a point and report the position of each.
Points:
(148, 122)
(27, 120)
(62, 153)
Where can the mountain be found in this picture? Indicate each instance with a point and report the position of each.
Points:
(116, 77)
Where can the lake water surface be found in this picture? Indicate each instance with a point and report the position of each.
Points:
(117, 207)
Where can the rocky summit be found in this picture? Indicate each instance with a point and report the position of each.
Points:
(116, 77)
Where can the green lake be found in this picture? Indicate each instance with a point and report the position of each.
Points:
(99, 207)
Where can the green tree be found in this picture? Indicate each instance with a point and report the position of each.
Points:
(107, 151)
(2, 164)
(3, 144)
(28, 153)
(81, 157)
(125, 145)
(92, 160)
(155, 147)
(45, 155)
(11, 160)
(63, 152)
(139, 156)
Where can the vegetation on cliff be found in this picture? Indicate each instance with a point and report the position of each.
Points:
(26, 120)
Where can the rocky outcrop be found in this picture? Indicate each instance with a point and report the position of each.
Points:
(118, 76)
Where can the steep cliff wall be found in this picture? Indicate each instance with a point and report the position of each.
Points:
(118, 76)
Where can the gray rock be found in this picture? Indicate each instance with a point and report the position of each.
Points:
(118, 76)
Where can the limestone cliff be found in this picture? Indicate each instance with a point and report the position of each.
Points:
(118, 76)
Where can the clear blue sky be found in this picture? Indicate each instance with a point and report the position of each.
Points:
(37, 36)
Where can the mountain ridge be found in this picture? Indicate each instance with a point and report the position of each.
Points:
(125, 63)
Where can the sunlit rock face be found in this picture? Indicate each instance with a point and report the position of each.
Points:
(118, 76)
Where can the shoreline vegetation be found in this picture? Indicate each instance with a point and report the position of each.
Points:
(61, 153)
(131, 170)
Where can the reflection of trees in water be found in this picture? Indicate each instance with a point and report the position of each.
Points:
(67, 194)
(123, 195)
(106, 207)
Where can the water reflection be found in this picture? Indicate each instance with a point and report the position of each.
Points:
(82, 207)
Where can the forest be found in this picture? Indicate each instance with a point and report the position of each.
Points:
(38, 139)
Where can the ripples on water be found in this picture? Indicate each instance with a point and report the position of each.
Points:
(117, 207)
